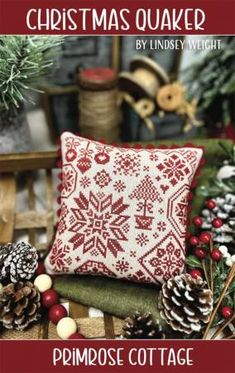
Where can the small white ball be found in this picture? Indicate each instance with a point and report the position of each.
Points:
(43, 282)
(66, 327)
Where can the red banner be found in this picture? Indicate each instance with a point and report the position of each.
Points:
(117, 17)
(117, 356)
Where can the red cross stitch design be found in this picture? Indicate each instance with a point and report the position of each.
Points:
(100, 225)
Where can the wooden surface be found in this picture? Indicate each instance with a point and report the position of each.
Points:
(28, 161)
(7, 207)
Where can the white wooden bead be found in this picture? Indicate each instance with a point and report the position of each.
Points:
(43, 282)
(66, 327)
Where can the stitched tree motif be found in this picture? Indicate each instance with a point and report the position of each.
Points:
(146, 193)
(98, 224)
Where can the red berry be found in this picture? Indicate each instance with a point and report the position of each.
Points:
(217, 223)
(227, 312)
(216, 255)
(205, 237)
(197, 220)
(40, 269)
(49, 298)
(195, 273)
(194, 241)
(210, 204)
(77, 336)
(57, 312)
(200, 253)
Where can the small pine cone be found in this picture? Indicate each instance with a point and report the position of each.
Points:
(225, 210)
(142, 326)
(18, 262)
(19, 305)
(185, 303)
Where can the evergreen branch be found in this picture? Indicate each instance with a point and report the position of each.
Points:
(23, 60)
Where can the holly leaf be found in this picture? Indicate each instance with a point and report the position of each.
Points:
(193, 262)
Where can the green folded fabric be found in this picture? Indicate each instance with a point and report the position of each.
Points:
(117, 297)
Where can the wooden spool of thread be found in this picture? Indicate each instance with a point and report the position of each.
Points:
(148, 80)
(98, 104)
(145, 78)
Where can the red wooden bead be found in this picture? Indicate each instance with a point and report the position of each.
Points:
(41, 269)
(217, 223)
(77, 336)
(216, 255)
(205, 237)
(197, 220)
(49, 298)
(210, 204)
(195, 273)
(200, 253)
(227, 312)
(57, 312)
(194, 241)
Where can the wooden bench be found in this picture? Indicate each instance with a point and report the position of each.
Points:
(20, 172)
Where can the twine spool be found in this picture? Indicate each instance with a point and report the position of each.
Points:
(98, 104)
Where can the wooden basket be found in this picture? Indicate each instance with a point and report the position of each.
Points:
(19, 174)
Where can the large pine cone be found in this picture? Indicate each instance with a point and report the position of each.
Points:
(140, 326)
(186, 303)
(19, 305)
(17, 262)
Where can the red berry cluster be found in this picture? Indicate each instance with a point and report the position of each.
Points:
(202, 240)
(49, 300)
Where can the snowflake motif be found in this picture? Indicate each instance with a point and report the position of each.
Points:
(85, 182)
(142, 239)
(127, 164)
(119, 186)
(58, 257)
(161, 226)
(122, 266)
(174, 169)
(102, 179)
(100, 225)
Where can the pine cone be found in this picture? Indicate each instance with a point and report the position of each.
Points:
(225, 210)
(19, 305)
(17, 262)
(140, 326)
(186, 303)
